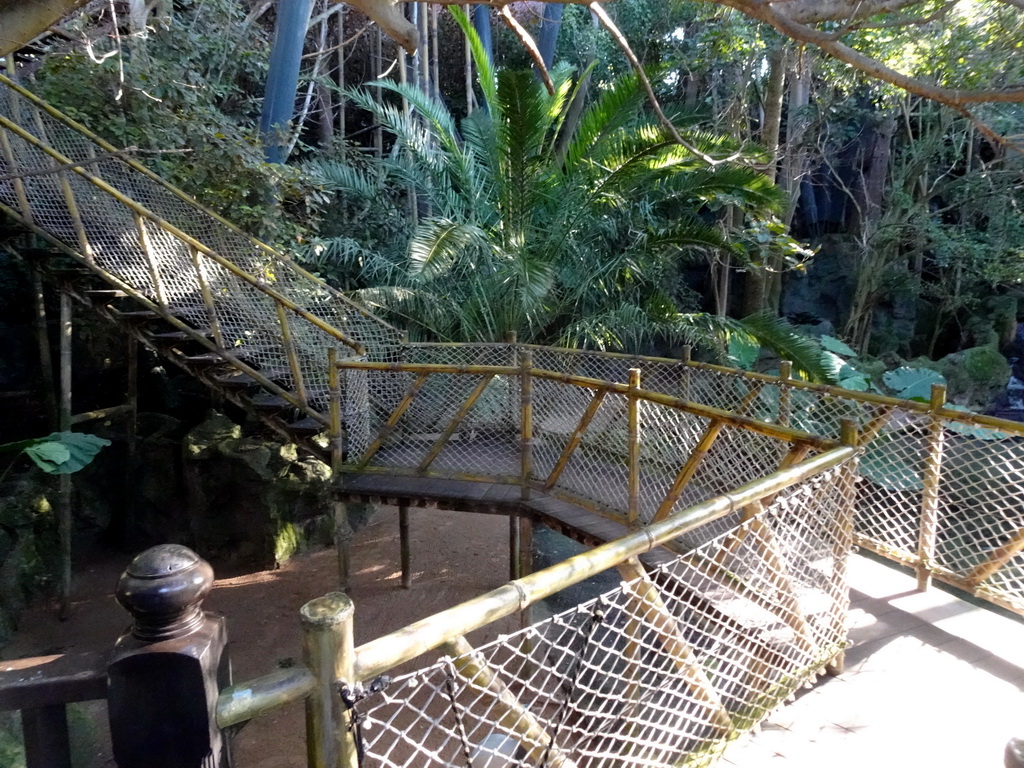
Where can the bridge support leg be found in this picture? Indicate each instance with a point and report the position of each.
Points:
(403, 536)
(343, 543)
(514, 547)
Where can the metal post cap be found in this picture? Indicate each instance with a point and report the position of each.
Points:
(163, 589)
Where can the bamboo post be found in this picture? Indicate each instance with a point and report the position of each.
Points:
(526, 420)
(688, 470)
(132, 437)
(633, 417)
(684, 381)
(514, 546)
(45, 357)
(328, 651)
(785, 392)
(505, 707)
(289, 350)
(342, 529)
(64, 523)
(406, 550)
(19, 185)
(930, 490)
(666, 627)
(844, 539)
(146, 246)
(577, 437)
(207, 294)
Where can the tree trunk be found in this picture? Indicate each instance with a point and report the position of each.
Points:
(757, 280)
(283, 76)
(547, 37)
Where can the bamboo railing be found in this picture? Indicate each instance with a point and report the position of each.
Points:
(331, 660)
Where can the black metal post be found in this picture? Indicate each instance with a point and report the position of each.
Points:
(168, 668)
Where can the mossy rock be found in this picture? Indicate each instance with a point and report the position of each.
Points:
(975, 376)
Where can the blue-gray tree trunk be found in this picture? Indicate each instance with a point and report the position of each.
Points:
(283, 77)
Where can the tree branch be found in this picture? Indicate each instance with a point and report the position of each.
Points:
(527, 41)
(953, 97)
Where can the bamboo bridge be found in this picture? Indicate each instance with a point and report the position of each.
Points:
(728, 501)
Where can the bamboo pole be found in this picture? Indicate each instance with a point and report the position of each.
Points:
(64, 521)
(514, 547)
(456, 421)
(184, 197)
(785, 392)
(505, 708)
(688, 470)
(45, 356)
(633, 449)
(19, 185)
(240, 703)
(577, 437)
(405, 545)
(207, 294)
(145, 245)
(342, 529)
(327, 651)
(930, 491)
(526, 420)
(131, 467)
(393, 419)
(844, 541)
(646, 598)
(288, 343)
(999, 557)
(684, 380)
(396, 648)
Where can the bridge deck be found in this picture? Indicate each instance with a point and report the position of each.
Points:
(570, 520)
(930, 679)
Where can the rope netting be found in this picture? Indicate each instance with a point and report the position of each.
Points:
(467, 423)
(136, 230)
(663, 670)
(975, 523)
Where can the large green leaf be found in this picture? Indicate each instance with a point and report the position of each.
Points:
(62, 453)
(912, 383)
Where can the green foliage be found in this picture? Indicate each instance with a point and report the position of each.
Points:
(187, 96)
(59, 453)
(582, 247)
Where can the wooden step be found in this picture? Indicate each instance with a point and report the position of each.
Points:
(236, 381)
(306, 427)
(175, 337)
(269, 402)
(207, 358)
(137, 315)
(106, 295)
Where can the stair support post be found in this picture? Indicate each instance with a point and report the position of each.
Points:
(64, 522)
(633, 417)
(930, 490)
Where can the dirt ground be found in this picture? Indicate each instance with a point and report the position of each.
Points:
(455, 556)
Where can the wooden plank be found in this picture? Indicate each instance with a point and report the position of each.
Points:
(42, 681)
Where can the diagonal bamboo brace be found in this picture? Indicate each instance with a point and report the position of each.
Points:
(510, 712)
(660, 618)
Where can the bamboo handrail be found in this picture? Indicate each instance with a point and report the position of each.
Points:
(728, 417)
(378, 656)
(121, 156)
(184, 237)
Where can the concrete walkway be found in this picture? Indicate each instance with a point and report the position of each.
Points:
(930, 681)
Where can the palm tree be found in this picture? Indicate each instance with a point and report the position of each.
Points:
(573, 236)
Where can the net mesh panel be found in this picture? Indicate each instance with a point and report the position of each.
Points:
(485, 442)
(981, 475)
(658, 671)
(981, 506)
(246, 316)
